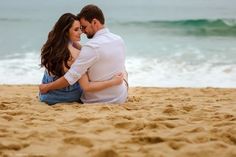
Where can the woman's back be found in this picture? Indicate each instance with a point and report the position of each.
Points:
(58, 54)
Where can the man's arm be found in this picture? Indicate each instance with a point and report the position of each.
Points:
(86, 59)
(59, 83)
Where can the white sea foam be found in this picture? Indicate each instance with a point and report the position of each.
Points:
(153, 72)
(24, 70)
(142, 72)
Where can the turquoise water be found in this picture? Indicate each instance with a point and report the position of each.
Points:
(172, 43)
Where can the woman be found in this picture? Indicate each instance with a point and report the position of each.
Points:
(57, 55)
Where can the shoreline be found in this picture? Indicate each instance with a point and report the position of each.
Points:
(155, 121)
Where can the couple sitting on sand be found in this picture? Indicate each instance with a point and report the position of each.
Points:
(93, 73)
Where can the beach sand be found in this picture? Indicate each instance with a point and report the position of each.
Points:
(160, 122)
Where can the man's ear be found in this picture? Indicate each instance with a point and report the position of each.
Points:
(95, 21)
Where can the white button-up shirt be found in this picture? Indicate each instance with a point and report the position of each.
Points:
(102, 57)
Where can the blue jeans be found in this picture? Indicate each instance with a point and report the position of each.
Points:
(71, 93)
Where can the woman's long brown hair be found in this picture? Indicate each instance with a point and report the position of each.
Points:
(55, 53)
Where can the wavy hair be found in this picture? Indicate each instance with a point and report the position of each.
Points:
(55, 53)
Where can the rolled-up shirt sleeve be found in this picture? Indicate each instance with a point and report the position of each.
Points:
(87, 57)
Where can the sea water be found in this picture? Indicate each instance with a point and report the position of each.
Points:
(171, 43)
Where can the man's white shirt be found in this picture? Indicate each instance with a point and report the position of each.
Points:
(101, 57)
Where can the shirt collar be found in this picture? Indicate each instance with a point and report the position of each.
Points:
(101, 31)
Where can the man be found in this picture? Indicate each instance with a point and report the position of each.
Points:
(102, 57)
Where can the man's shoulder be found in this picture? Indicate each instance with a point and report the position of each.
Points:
(92, 43)
(115, 36)
(103, 39)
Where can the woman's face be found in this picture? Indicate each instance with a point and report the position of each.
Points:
(75, 32)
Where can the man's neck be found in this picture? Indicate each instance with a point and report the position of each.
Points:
(100, 27)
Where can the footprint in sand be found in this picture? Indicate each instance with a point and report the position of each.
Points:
(80, 120)
(4, 106)
(170, 111)
(169, 124)
(7, 117)
(177, 145)
(147, 140)
(9, 145)
(152, 125)
(188, 108)
(106, 153)
(131, 125)
(84, 141)
(124, 125)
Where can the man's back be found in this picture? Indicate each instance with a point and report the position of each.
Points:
(111, 55)
(104, 56)
(111, 60)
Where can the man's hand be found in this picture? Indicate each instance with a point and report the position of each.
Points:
(43, 88)
(58, 84)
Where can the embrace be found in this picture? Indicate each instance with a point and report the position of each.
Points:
(92, 73)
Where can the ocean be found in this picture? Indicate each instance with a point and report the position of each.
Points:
(171, 43)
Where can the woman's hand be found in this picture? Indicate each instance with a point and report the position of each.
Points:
(117, 79)
(43, 88)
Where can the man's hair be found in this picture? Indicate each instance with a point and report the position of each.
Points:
(90, 12)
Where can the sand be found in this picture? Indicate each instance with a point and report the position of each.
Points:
(160, 122)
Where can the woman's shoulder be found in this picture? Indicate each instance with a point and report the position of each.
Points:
(74, 51)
